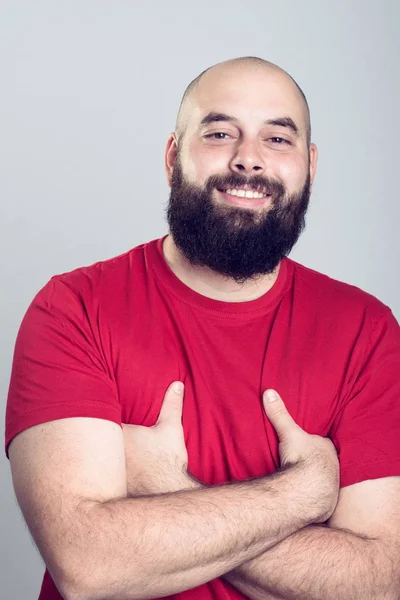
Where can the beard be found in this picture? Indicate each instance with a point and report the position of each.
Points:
(239, 243)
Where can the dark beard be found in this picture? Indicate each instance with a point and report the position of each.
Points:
(239, 243)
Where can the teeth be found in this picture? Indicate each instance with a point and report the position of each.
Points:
(245, 193)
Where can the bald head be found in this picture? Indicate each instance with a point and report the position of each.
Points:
(237, 67)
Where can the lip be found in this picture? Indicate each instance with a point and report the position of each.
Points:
(245, 202)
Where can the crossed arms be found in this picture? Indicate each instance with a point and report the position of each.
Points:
(116, 516)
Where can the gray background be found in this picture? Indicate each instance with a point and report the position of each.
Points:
(89, 94)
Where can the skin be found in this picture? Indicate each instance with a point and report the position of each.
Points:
(123, 502)
(354, 556)
(252, 94)
(154, 531)
(162, 467)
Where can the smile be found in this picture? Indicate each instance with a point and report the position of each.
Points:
(245, 193)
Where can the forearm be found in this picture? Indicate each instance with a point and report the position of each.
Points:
(155, 546)
(319, 562)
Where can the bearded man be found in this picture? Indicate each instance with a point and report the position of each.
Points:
(202, 417)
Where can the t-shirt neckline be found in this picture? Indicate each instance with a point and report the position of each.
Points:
(184, 293)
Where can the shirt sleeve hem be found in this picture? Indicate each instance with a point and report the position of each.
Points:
(355, 473)
(61, 411)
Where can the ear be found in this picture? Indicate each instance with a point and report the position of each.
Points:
(313, 161)
(171, 152)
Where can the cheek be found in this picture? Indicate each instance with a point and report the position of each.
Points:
(293, 172)
(203, 161)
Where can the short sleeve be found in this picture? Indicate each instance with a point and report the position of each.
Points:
(58, 369)
(366, 432)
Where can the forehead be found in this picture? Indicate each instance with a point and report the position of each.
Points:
(248, 93)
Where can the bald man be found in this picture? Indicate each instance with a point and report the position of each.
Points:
(202, 417)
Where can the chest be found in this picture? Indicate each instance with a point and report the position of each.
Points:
(226, 366)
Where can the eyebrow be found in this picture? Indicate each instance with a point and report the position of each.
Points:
(284, 122)
(214, 117)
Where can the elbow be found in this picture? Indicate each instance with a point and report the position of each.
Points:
(77, 580)
(71, 593)
(90, 569)
(94, 584)
(79, 592)
(83, 586)
(79, 589)
(73, 586)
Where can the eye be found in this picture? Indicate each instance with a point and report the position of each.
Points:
(217, 135)
(279, 141)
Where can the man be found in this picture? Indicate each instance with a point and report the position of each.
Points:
(193, 496)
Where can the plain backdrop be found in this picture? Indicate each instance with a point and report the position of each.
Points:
(89, 93)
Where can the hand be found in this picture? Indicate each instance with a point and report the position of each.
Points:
(315, 455)
(156, 457)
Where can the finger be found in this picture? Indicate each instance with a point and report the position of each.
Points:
(278, 414)
(171, 408)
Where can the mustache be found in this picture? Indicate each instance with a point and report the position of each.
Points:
(258, 183)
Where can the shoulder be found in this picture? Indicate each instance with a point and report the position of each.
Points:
(103, 273)
(339, 299)
(102, 281)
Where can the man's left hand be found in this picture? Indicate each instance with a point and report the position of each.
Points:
(156, 457)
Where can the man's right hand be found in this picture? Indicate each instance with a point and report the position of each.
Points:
(315, 455)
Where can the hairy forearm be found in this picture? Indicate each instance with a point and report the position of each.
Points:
(320, 562)
(159, 545)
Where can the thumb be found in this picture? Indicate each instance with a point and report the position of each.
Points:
(171, 408)
(277, 413)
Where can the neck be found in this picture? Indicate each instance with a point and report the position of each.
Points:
(214, 285)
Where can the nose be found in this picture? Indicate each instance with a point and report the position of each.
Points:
(247, 159)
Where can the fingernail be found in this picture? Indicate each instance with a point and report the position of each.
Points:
(271, 395)
(178, 388)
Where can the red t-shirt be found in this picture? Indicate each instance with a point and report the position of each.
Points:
(105, 341)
